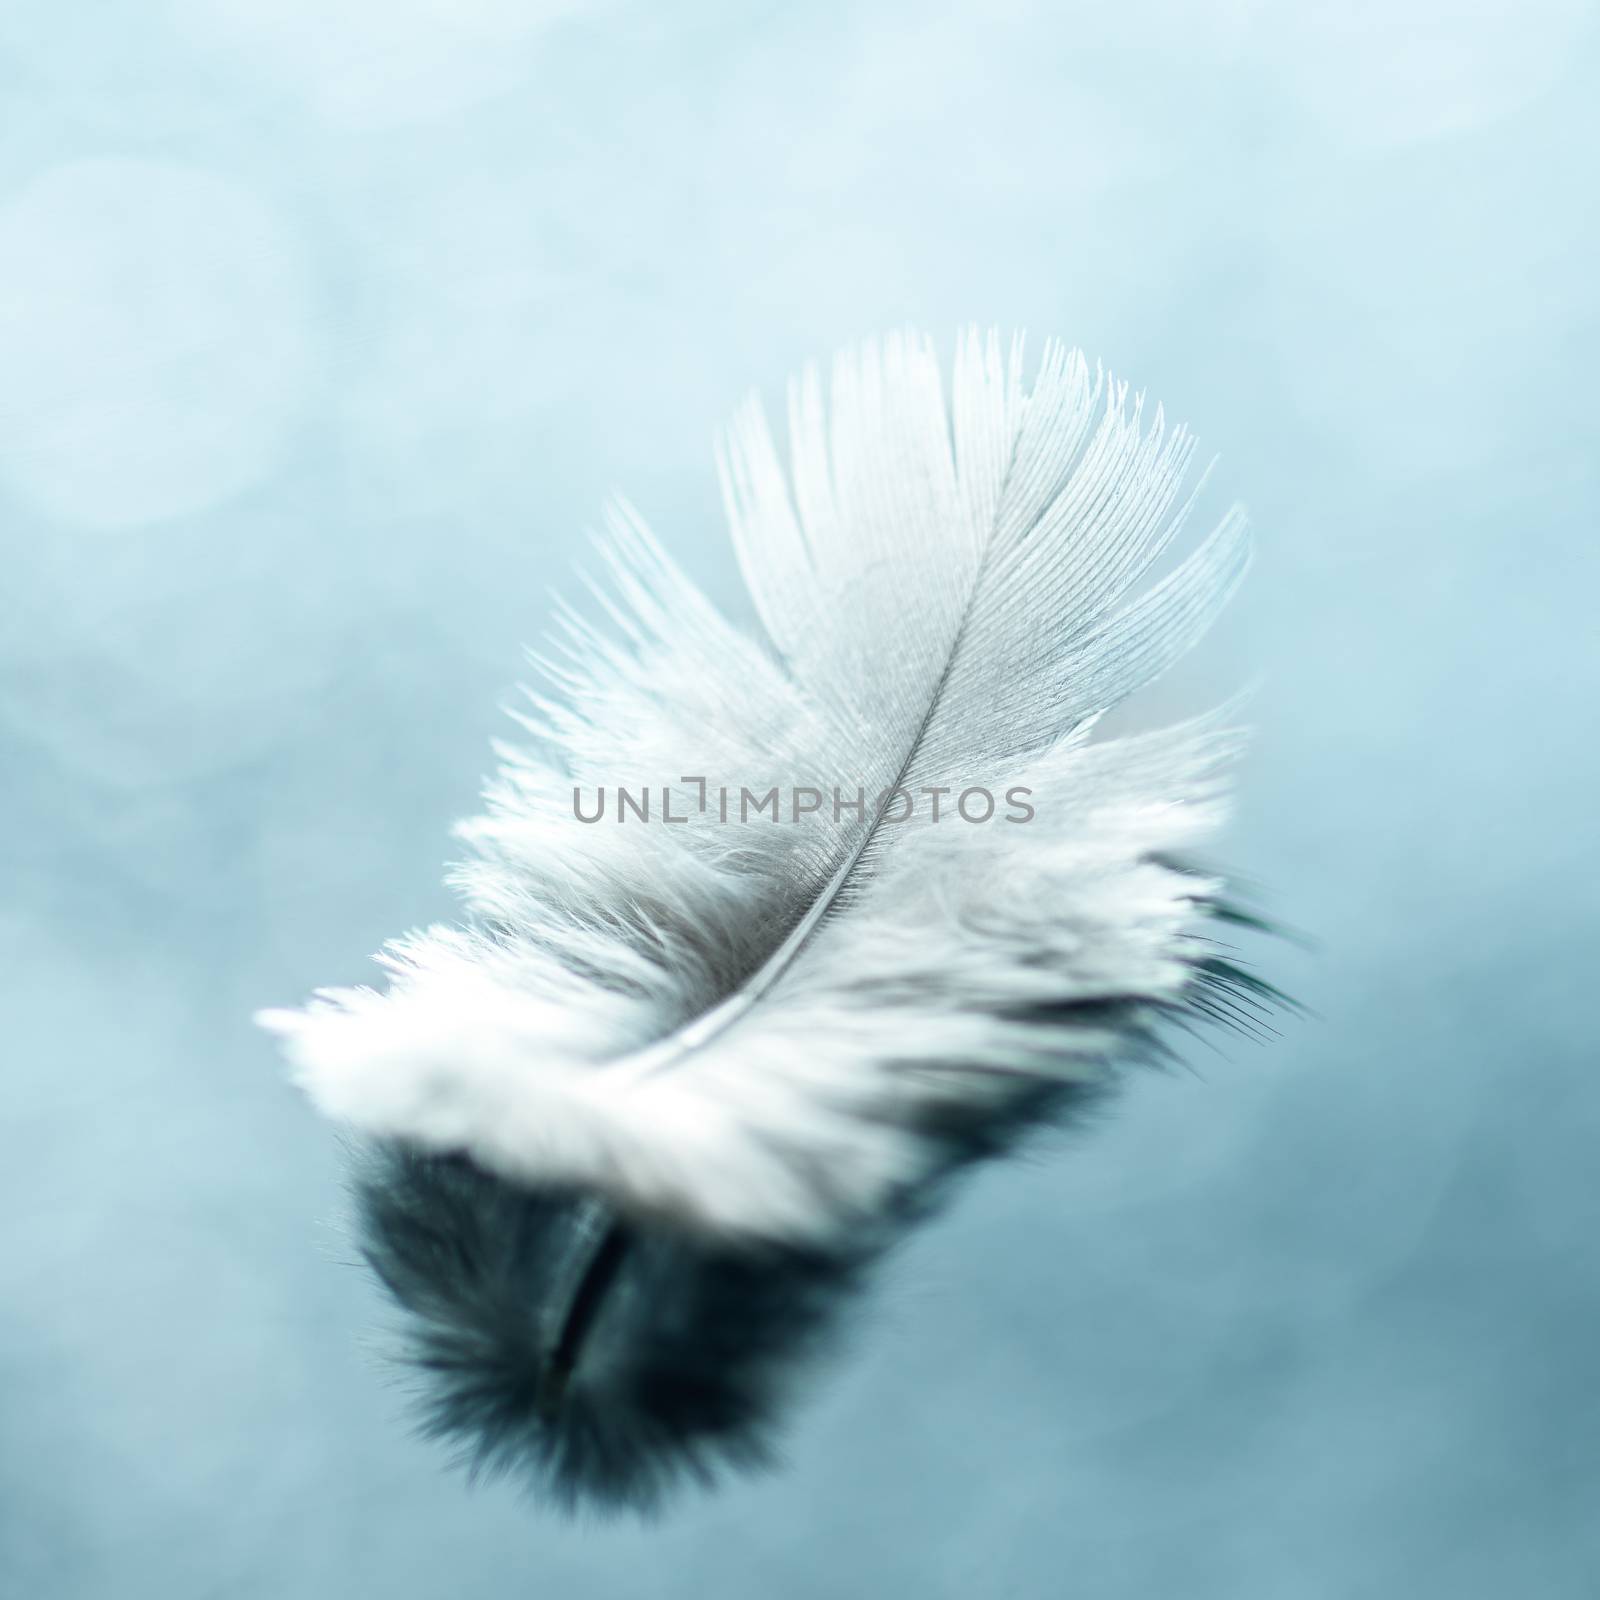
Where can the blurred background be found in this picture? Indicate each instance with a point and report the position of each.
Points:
(325, 330)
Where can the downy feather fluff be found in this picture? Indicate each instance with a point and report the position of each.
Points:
(642, 1122)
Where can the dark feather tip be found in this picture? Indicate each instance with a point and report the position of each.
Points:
(603, 1370)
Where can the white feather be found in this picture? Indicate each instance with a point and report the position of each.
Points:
(751, 1028)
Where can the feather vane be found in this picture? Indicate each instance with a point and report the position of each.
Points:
(752, 1048)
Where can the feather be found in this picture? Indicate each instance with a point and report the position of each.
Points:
(688, 1068)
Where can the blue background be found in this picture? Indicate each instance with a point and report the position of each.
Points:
(325, 330)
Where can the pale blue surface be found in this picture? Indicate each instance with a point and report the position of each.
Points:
(324, 330)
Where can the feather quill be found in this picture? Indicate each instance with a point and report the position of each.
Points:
(643, 1122)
